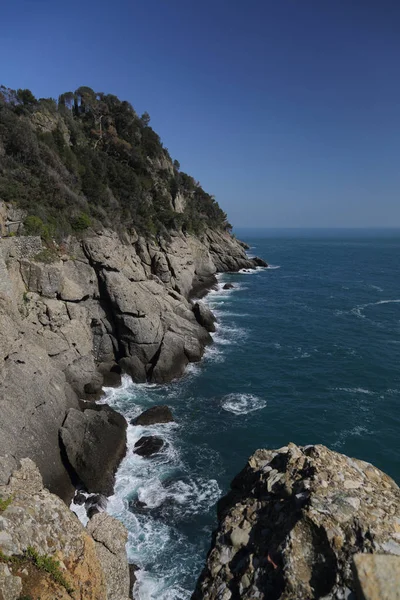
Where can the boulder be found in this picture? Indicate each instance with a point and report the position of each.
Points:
(171, 360)
(228, 286)
(293, 520)
(134, 367)
(94, 443)
(148, 445)
(204, 316)
(154, 415)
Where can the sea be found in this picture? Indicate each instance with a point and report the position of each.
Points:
(306, 351)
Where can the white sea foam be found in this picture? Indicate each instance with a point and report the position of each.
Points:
(148, 588)
(376, 287)
(252, 270)
(241, 404)
(357, 390)
(359, 430)
(359, 310)
(272, 267)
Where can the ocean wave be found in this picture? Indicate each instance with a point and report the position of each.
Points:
(148, 588)
(252, 270)
(359, 310)
(357, 390)
(272, 267)
(241, 404)
(343, 435)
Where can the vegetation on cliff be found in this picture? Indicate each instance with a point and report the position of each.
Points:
(88, 160)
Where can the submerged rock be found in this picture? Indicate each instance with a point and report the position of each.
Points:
(154, 415)
(293, 520)
(148, 445)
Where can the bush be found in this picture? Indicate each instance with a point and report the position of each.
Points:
(81, 222)
(33, 225)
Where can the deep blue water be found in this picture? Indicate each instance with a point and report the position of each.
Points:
(307, 352)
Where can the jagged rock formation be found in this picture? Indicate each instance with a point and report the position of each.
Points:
(36, 529)
(293, 521)
(94, 306)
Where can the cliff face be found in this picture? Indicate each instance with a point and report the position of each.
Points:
(46, 553)
(293, 522)
(69, 325)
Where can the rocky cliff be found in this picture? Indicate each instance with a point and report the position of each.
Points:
(73, 316)
(302, 523)
(46, 553)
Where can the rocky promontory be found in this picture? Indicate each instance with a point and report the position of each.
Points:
(302, 523)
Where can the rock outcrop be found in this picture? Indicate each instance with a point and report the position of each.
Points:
(153, 415)
(72, 318)
(95, 443)
(46, 553)
(292, 523)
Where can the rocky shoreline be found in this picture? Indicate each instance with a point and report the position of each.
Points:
(298, 523)
(74, 321)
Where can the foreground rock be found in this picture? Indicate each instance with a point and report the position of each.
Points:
(293, 520)
(111, 537)
(154, 415)
(377, 576)
(148, 445)
(95, 443)
(37, 524)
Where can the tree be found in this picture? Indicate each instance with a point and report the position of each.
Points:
(177, 165)
(145, 118)
(26, 97)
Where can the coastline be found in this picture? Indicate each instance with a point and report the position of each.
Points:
(132, 478)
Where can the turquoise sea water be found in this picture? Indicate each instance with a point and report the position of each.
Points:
(307, 352)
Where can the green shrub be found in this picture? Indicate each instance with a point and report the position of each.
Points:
(5, 503)
(33, 225)
(50, 565)
(81, 222)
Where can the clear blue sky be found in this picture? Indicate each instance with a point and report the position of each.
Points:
(287, 110)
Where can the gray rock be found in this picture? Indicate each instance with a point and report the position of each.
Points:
(154, 415)
(148, 445)
(204, 316)
(94, 443)
(110, 537)
(171, 360)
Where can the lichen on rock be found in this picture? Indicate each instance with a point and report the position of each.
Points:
(293, 521)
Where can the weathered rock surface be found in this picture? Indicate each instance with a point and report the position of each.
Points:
(92, 562)
(293, 521)
(148, 445)
(153, 415)
(377, 576)
(65, 326)
(95, 443)
(204, 316)
(110, 537)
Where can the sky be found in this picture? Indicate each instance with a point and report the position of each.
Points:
(288, 111)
